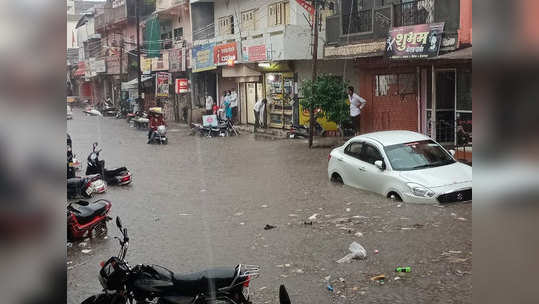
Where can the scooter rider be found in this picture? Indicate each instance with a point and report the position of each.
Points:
(156, 120)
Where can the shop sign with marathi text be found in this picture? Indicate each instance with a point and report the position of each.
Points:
(257, 53)
(416, 41)
(225, 53)
(203, 57)
(182, 85)
(176, 60)
(162, 82)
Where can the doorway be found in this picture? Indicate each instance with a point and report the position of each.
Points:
(444, 106)
(252, 92)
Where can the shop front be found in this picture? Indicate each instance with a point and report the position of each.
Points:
(204, 82)
(279, 89)
(248, 83)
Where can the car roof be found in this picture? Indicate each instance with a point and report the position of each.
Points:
(388, 138)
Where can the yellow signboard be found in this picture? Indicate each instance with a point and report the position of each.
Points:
(324, 123)
(146, 65)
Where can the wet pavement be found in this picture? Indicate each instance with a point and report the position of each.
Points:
(202, 202)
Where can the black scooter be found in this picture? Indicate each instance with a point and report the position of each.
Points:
(156, 284)
(117, 176)
(81, 186)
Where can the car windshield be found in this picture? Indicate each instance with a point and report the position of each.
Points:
(417, 155)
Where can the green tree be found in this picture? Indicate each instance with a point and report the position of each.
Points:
(328, 94)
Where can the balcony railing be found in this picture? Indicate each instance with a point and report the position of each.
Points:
(410, 13)
(357, 22)
(374, 23)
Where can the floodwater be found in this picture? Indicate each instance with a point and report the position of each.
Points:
(202, 202)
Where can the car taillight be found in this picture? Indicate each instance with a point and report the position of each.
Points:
(329, 157)
(126, 178)
(102, 264)
(246, 283)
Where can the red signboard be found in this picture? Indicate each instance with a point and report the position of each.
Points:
(257, 53)
(224, 53)
(182, 85)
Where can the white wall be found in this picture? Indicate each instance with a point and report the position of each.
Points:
(287, 42)
(235, 7)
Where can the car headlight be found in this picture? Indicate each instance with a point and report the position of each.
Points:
(420, 191)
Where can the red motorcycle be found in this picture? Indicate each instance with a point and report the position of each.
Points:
(84, 218)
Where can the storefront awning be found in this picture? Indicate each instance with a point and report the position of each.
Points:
(132, 84)
(240, 71)
(462, 54)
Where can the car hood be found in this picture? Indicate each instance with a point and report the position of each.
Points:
(439, 176)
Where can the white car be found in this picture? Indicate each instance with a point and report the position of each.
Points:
(405, 165)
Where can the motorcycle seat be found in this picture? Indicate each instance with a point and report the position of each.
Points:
(196, 283)
(115, 171)
(176, 300)
(85, 212)
(74, 182)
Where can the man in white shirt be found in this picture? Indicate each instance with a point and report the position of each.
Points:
(209, 105)
(234, 104)
(259, 110)
(356, 104)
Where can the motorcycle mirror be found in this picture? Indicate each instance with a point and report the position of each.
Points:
(95, 145)
(126, 238)
(118, 223)
(283, 295)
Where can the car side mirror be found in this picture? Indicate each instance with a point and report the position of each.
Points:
(380, 165)
(452, 152)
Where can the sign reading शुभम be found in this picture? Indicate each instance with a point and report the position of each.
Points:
(415, 41)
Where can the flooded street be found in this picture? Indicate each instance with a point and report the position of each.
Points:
(202, 202)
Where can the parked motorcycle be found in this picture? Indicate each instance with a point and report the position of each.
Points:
(224, 128)
(117, 176)
(84, 218)
(107, 109)
(92, 112)
(80, 186)
(85, 186)
(156, 284)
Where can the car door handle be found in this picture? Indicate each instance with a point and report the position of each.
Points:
(361, 168)
(339, 159)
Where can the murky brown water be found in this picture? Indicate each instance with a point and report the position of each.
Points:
(200, 202)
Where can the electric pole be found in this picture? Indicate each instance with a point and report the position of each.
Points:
(312, 119)
(139, 98)
(121, 58)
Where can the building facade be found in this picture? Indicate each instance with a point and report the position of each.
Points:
(413, 59)
(262, 49)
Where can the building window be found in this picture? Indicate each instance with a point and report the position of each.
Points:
(278, 13)
(166, 40)
(386, 85)
(395, 84)
(407, 84)
(357, 16)
(248, 20)
(226, 25)
(178, 34)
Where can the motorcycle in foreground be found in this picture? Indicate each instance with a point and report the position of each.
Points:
(84, 218)
(156, 284)
(117, 176)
